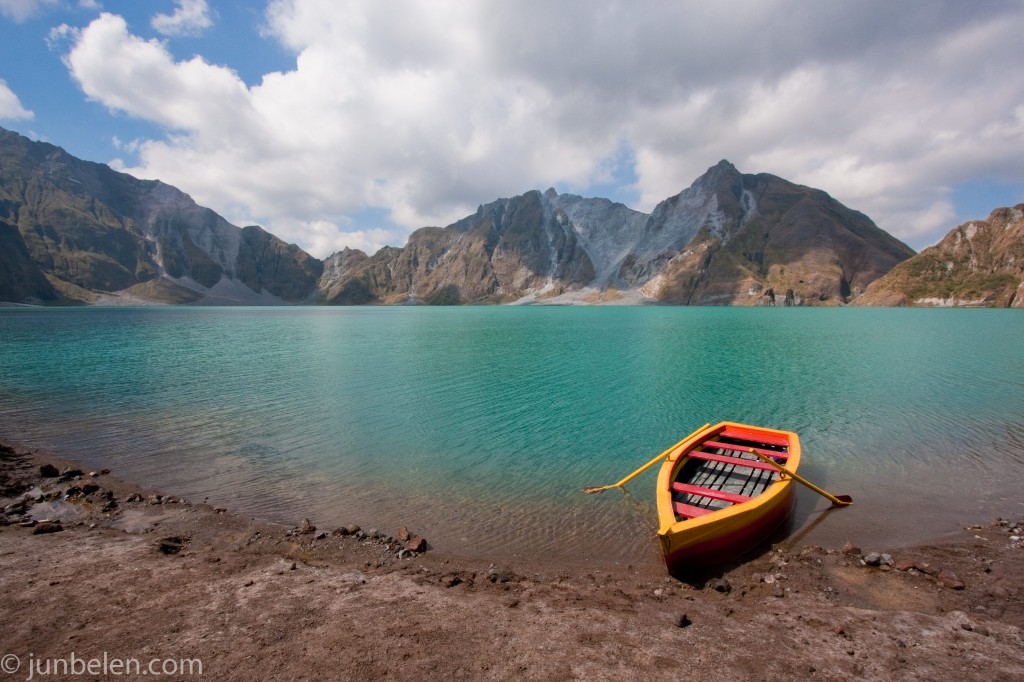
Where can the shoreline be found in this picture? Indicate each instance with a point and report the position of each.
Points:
(133, 575)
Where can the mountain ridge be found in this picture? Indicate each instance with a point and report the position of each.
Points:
(978, 264)
(77, 231)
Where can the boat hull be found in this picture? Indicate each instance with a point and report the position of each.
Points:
(719, 536)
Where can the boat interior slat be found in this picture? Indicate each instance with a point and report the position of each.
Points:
(745, 449)
(754, 437)
(701, 491)
(735, 461)
(690, 511)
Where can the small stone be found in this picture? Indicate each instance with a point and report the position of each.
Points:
(306, 528)
(839, 630)
(998, 592)
(779, 591)
(722, 585)
(47, 527)
(342, 531)
(171, 545)
(903, 564)
(403, 534)
(352, 529)
(292, 567)
(155, 499)
(373, 533)
(887, 559)
(926, 568)
(321, 535)
(948, 579)
(219, 510)
(48, 471)
(502, 574)
(873, 559)
(659, 593)
(682, 620)
(416, 544)
(850, 549)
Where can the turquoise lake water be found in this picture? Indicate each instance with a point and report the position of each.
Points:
(477, 426)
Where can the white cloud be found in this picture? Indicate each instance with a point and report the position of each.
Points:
(22, 10)
(10, 105)
(426, 109)
(191, 17)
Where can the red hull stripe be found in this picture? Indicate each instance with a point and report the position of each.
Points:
(740, 448)
(726, 459)
(688, 489)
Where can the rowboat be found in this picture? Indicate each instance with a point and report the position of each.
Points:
(717, 499)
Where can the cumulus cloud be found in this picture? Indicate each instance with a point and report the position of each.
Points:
(10, 105)
(191, 17)
(426, 109)
(22, 10)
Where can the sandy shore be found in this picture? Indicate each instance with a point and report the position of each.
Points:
(128, 574)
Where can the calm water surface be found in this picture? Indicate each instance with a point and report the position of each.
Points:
(479, 425)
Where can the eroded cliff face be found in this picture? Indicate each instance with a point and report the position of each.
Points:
(92, 231)
(508, 248)
(979, 263)
(729, 239)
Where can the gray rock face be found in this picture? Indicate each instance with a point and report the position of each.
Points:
(78, 231)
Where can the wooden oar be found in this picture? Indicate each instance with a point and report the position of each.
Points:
(837, 500)
(627, 479)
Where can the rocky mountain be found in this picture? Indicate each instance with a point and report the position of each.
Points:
(729, 239)
(72, 230)
(979, 263)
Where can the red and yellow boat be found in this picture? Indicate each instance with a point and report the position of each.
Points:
(717, 499)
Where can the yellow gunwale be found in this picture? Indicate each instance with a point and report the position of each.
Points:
(675, 533)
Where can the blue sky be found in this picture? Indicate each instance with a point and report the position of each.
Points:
(339, 123)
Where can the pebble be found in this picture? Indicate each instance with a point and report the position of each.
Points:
(948, 579)
(306, 527)
(47, 527)
(502, 574)
(872, 559)
(48, 471)
(722, 585)
(682, 620)
(850, 549)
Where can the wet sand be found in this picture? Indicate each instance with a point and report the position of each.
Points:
(135, 573)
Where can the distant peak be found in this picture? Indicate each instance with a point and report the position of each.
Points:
(550, 193)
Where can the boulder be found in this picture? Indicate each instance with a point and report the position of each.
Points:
(416, 544)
